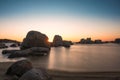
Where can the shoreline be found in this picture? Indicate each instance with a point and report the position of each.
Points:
(66, 75)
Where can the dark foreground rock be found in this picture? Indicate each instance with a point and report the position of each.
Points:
(34, 51)
(2, 45)
(35, 39)
(19, 68)
(36, 74)
(23, 70)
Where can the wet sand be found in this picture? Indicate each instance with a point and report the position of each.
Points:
(64, 75)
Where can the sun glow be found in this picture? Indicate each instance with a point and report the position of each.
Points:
(69, 27)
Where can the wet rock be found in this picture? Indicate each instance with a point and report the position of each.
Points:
(35, 39)
(8, 51)
(19, 68)
(34, 51)
(36, 74)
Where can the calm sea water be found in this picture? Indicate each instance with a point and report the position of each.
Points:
(92, 57)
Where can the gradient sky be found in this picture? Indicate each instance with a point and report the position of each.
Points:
(72, 19)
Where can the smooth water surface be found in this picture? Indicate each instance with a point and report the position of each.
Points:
(87, 57)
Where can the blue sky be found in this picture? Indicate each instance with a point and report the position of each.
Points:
(72, 19)
(100, 8)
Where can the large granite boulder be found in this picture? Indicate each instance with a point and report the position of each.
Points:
(19, 68)
(2, 45)
(36, 74)
(57, 41)
(34, 51)
(35, 39)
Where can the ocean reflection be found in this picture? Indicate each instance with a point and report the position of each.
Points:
(94, 57)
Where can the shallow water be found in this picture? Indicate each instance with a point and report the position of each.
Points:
(92, 57)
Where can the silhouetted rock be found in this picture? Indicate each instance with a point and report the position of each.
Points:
(98, 41)
(82, 41)
(36, 74)
(19, 68)
(57, 41)
(2, 45)
(34, 51)
(117, 40)
(13, 45)
(66, 43)
(35, 39)
(86, 41)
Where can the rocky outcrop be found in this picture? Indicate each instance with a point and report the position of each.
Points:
(34, 51)
(57, 41)
(19, 68)
(2, 45)
(24, 70)
(36, 74)
(35, 39)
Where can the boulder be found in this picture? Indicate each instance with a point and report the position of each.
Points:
(57, 41)
(2, 45)
(19, 68)
(34, 51)
(35, 74)
(35, 39)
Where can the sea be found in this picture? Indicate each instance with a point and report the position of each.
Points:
(79, 57)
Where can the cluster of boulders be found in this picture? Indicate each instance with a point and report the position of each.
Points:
(58, 41)
(2, 45)
(24, 70)
(35, 43)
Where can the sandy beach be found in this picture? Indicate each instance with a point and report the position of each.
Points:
(63, 75)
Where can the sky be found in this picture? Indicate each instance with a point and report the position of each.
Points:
(72, 19)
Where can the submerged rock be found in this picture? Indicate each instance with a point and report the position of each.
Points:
(13, 45)
(19, 68)
(36, 74)
(35, 39)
